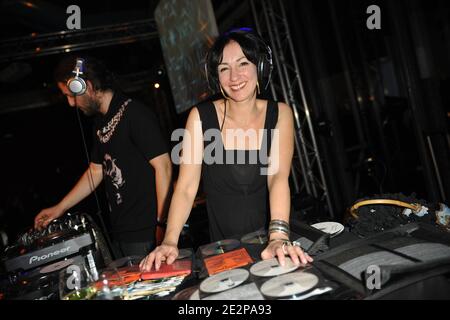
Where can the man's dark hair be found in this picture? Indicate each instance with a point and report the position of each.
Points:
(94, 70)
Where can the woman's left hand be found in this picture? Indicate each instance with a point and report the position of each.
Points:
(281, 248)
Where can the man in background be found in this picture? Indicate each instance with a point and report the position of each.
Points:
(129, 154)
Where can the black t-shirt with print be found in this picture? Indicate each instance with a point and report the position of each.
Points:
(126, 138)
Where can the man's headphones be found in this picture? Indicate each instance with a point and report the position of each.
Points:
(264, 64)
(76, 85)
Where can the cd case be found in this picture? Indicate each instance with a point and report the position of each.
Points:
(178, 268)
(227, 261)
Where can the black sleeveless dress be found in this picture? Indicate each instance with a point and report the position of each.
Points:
(236, 194)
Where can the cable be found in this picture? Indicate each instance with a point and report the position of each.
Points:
(415, 207)
(224, 114)
(90, 176)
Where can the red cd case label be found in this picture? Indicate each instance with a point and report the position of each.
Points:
(227, 261)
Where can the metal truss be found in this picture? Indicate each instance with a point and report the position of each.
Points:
(271, 22)
(75, 40)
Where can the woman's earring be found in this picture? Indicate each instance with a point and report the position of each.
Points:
(223, 93)
(257, 86)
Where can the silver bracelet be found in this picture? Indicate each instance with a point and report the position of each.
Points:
(284, 231)
(279, 222)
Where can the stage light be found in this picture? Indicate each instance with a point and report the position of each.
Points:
(29, 4)
(157, 85)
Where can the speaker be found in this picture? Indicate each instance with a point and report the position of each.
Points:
(77, 85)
(264, 65)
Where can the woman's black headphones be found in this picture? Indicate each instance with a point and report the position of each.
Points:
(264, 64)
(265, 68)
(76, 85)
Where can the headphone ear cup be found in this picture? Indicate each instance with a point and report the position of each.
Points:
(77, 86)
(265, 67)
(261, 66)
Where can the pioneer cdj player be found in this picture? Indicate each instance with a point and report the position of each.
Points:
(33, 263)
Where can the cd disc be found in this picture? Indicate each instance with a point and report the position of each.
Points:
(271, 268)
(257, 237)
(184, 253)
(289, 285)
(332, 228)
(224, 281)
(195, 295)
(186, 294)
(56, 266)
(220, 247)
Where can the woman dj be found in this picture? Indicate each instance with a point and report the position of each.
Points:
(248, 195)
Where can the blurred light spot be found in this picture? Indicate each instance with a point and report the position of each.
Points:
(29, 4)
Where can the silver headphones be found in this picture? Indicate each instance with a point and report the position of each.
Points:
(76, 85)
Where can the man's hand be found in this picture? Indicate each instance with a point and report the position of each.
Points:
(46, 216)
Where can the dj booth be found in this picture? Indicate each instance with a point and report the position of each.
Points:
(30, 267)
(408, 262)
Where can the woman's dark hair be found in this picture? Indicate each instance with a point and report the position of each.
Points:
(94, 70)
(254, 49)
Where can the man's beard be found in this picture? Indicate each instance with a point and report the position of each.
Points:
(92, 108)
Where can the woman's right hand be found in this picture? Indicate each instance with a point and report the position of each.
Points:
(164, 253)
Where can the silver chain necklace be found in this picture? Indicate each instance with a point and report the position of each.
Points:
(107, 131)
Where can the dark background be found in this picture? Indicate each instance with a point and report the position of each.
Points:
(377, 97)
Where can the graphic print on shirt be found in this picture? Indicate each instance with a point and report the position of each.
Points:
(115, 174)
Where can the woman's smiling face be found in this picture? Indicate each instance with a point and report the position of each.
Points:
(237, 74)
